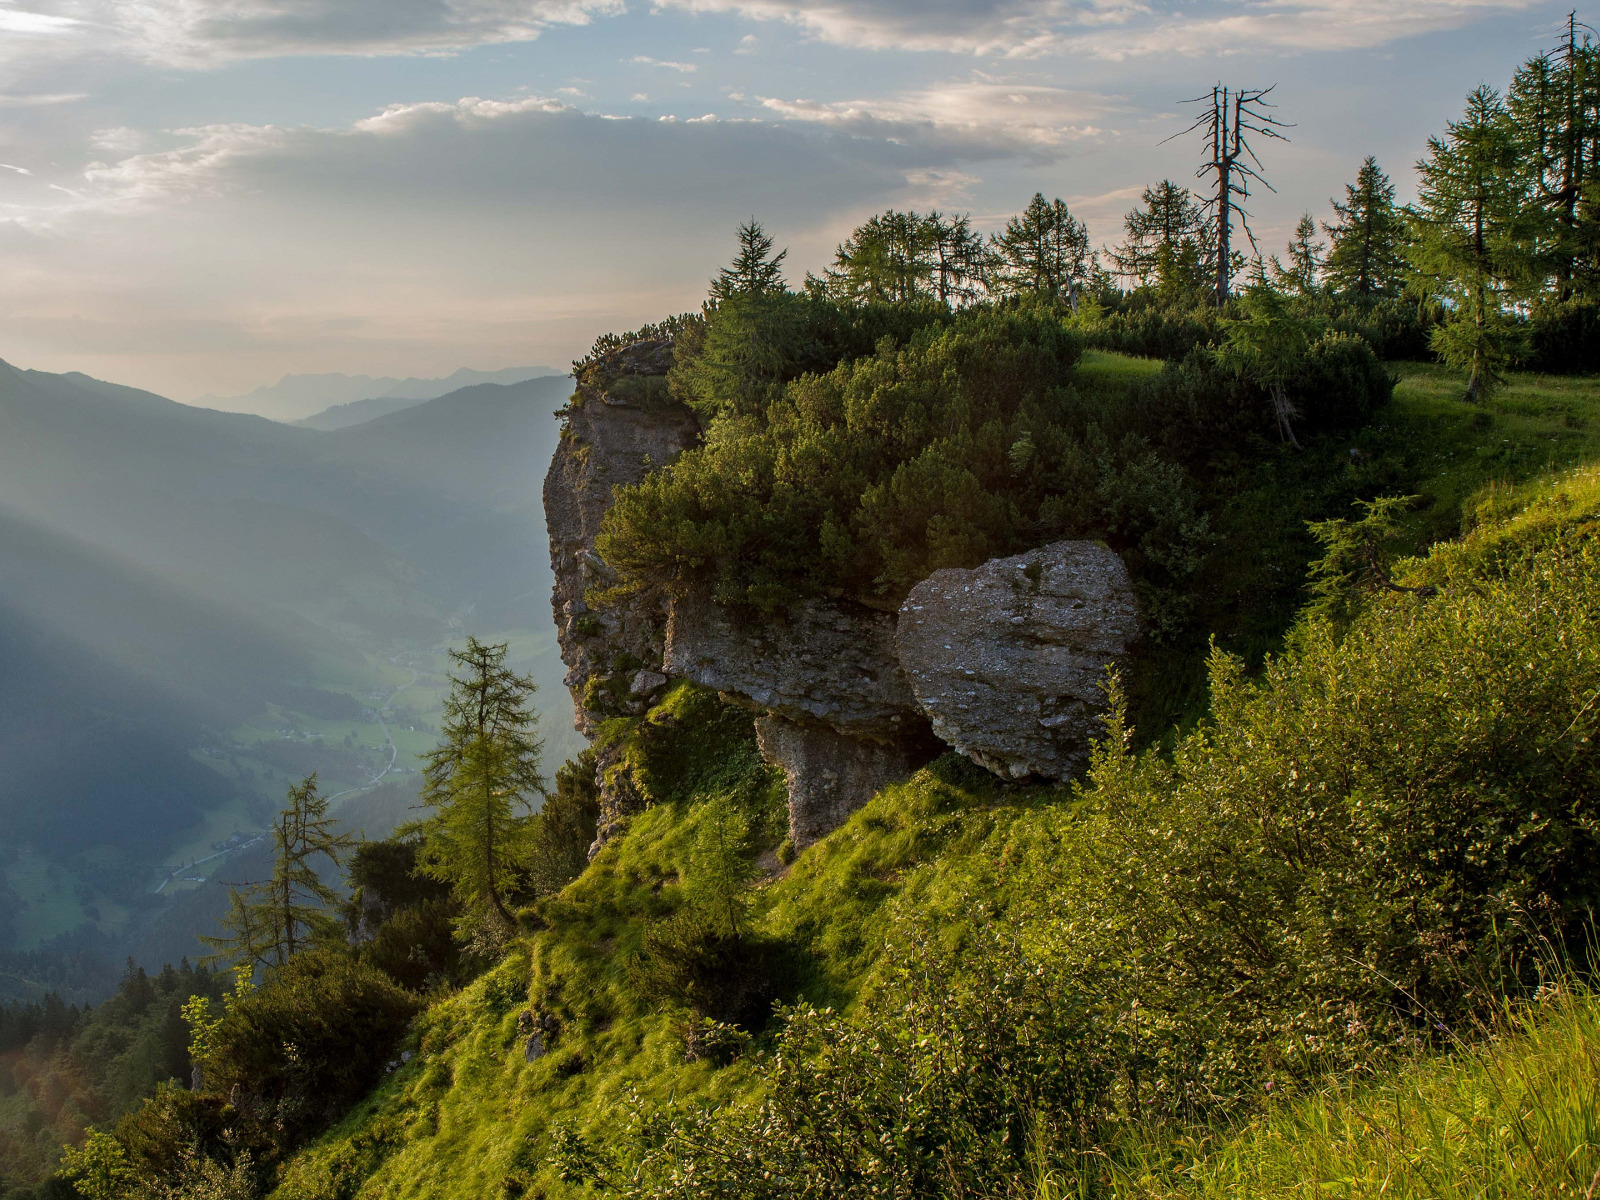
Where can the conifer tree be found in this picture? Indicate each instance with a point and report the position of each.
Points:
(268, 923)
(755, 271)
(1305, 255)
(1554, 105)
(1364, 262)
(1467, 244)
(1044, 252)
(480, 782)
(889, 258)
(1165, 242)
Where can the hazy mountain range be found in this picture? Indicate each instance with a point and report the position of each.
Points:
(165, 570)
(328, 401)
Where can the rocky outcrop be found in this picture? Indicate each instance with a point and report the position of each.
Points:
(838, 717)
(830, 775)
(820, 664)
(1008, 659)
(619, 425)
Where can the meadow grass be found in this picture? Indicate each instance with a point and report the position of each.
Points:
(1514, 1112)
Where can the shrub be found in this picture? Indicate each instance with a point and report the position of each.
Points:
(309, 1042)
(1342, 383)
(1564, 337)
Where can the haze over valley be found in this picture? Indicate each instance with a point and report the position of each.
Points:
(197, 607)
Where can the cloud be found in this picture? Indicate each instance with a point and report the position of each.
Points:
(972, 119)
(203, 33)
(645, 59)
(1109, 29)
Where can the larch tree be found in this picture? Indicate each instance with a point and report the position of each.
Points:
(1467, 241)
(1043, 252)
(481, 782)
(268, 923)
(755, 270)
(1165, 242)
(1554, 105)
(1364, 262)
(889, 258)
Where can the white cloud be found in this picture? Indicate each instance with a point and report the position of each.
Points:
(646, 60)
(1111, 29)
(203, 33)
(980, 118)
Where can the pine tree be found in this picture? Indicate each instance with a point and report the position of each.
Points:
(755, 270)
(268, 923)
(1467, 240)
(1044, 252)
(480, 782)
(1305, 255)
(1364, 262)
(1165, 243)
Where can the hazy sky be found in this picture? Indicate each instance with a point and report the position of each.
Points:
(201, 195)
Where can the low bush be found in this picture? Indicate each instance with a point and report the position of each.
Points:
(308, 1043)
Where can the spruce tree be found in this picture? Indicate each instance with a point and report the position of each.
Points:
(1044, 252)
(1364, 262)
(268, 923)
(755, 270)
(480, 782)
(1467, 242)
(1305, 256)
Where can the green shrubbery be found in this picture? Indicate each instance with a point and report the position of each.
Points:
(1355, 855)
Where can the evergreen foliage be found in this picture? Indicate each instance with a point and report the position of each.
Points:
(269, 923)
(1043, 254)
(1166, 244)
(480, 782)
(1364, 262)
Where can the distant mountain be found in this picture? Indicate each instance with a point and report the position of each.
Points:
(167, 570)
(322, 401)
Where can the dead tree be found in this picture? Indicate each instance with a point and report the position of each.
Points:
(1233, 114)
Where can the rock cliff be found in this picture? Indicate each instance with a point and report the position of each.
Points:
(838, 716)
(620, 424)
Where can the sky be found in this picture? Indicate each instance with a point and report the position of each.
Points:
(200, 196)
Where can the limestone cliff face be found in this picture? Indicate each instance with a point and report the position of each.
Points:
(619, 425)
(838, 716)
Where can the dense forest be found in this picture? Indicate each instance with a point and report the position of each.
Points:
(1329, 880)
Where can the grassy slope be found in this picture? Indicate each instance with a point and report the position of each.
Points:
(470, 1117)
(1516, 1114)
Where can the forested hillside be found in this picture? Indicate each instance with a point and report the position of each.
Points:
(1316, 919)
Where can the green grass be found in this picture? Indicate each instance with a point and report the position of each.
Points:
(1515, 1113)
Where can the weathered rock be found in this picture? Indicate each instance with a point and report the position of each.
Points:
(837, 713)
(619, 425)
(1008, 659)
(830, 775)
(823, 664)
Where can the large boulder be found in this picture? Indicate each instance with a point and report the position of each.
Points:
(1008, 659)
